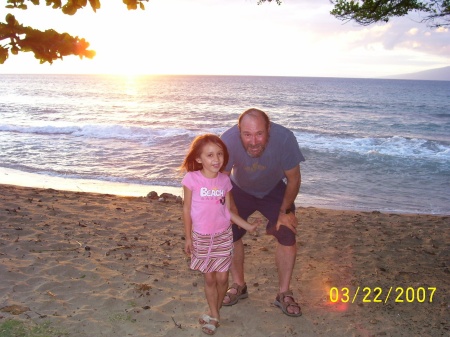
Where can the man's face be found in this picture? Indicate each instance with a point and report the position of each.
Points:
(254, 135)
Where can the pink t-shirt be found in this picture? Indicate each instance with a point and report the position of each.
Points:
(208, 210)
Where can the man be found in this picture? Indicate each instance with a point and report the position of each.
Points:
(264, 167)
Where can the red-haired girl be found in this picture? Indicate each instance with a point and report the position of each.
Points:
(206, 218)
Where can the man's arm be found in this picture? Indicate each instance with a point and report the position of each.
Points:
(292, 188)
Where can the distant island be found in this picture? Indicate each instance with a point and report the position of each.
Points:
(438, 74)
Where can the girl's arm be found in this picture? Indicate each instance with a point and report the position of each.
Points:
(187, 220)
(238, 220)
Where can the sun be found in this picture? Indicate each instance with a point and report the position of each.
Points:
(130, 42)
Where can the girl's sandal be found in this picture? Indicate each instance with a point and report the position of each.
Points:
(210, 328)
(205, 319)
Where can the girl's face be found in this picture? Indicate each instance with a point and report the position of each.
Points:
(211, 158)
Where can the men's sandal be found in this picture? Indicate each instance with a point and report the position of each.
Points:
(241, 293)
(280, 302)
(210, 328)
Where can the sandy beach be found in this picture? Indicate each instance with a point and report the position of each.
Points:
(84, 264)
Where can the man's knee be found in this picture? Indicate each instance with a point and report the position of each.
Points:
(284, 235)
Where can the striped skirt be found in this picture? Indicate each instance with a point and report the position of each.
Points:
(212, 252)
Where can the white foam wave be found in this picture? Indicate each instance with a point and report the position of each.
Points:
(100, 131)
(47, 129)
(395, 146)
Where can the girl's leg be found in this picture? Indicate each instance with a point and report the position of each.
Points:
(216, 285)
(222, 287)
(212, 294)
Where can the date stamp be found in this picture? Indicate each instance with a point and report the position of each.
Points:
(382, 295)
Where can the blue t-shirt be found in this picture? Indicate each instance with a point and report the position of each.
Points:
(258, 176)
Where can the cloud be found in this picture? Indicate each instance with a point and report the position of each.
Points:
(400, 33)
(405, 33)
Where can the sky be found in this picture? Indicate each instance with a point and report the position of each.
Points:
(234, 37)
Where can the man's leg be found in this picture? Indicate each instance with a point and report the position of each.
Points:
(286, 250)
(237, 266)
(285, 257)
(244, 204)
(237, 269)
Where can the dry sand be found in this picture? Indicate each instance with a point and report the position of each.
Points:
(103, 265)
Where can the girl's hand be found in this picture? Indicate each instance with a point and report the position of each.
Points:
(188, 247)
(254, 225)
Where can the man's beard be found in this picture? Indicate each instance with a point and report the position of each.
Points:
(257, 154)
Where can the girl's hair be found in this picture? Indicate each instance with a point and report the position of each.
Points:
(190, 163)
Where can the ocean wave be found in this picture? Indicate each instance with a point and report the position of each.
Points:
(129, 132)
(394, 146)
(442, 115)
(131, 178)
(102, 131)
(42, 130)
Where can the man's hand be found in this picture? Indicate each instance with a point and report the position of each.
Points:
(288, 220)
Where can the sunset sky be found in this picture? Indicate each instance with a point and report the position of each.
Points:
(235, 37)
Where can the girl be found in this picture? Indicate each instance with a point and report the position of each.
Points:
(206, 217)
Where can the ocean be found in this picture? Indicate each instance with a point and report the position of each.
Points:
(369, 144)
